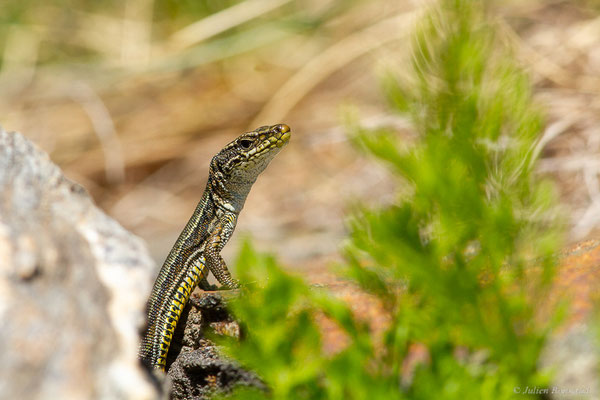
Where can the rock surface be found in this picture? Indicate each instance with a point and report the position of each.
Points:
(73, 284)
(195, 367)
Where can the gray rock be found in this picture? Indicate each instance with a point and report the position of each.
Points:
(196, 368)
(573, 357)
(73, 286)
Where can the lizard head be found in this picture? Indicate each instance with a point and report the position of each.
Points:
(247, 156)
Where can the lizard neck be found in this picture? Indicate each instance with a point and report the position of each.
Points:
(230, 194)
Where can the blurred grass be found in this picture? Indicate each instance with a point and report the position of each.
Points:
(58, 51)
(133, 98)
(130, 98)
(146, 33)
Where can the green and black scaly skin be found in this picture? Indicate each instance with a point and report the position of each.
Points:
(197, 250)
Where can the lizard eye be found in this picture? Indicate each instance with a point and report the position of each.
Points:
(245, 143)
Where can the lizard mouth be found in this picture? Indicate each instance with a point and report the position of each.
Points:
(284, 135)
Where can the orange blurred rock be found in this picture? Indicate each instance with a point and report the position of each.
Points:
(578, 278)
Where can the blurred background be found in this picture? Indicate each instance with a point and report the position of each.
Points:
(133, 97)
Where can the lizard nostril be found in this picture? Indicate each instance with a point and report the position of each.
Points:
(283, 128)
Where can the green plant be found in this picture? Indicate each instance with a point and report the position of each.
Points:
(451, 259)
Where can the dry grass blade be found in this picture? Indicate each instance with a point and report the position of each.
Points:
(221, 22)
(551, 132)
(540, 63)
(545, 67)
(104, 128)
(137, 32)
(332, 59)
(568, 164)
(18, 60)
(586, 222)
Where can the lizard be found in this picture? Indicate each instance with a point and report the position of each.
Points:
(232, 172)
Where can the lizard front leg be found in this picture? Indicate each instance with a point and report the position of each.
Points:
(217, 239)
